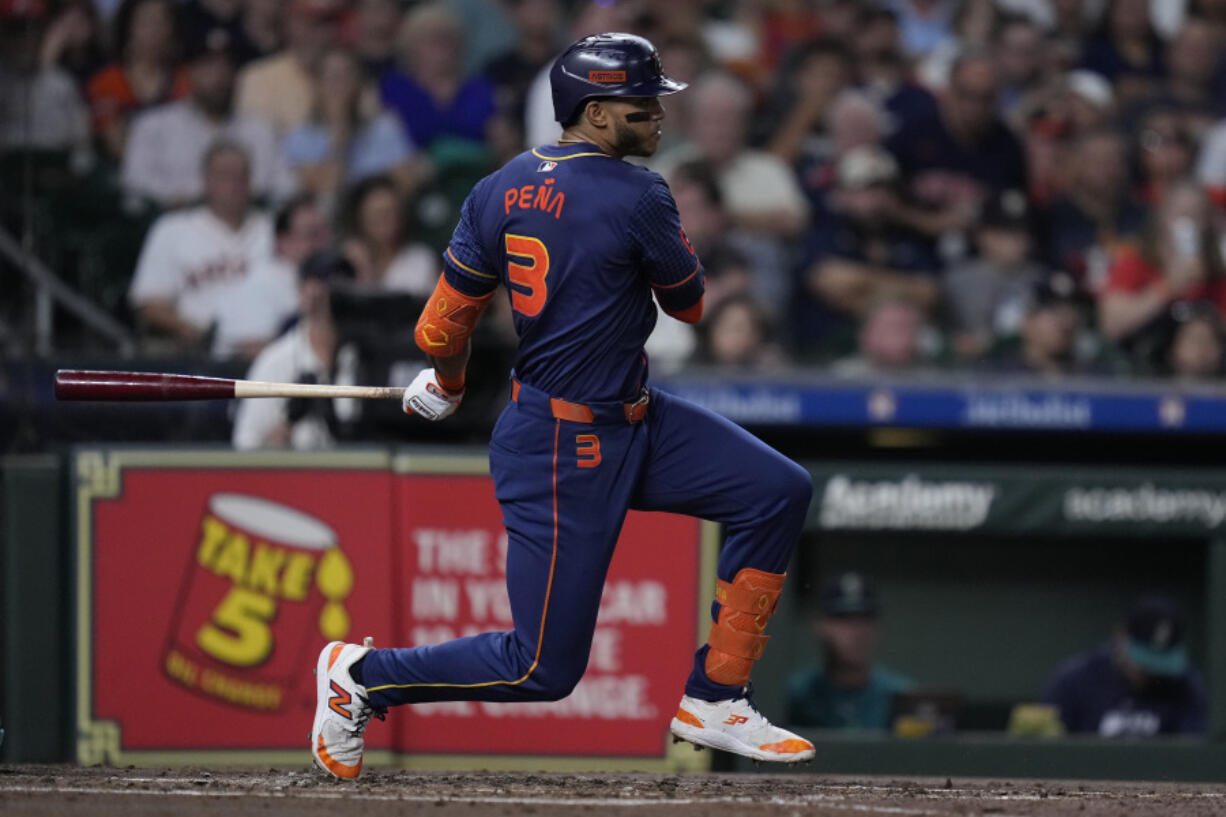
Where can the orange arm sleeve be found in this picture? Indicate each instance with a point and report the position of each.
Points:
(691, 314)
(448, 320)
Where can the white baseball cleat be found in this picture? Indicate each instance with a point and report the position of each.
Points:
(342, 711)
(737, 726)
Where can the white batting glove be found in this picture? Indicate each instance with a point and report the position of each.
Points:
(425, 397)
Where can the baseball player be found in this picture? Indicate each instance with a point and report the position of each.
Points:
(581, 241)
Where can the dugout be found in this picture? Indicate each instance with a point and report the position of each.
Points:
(989, 576)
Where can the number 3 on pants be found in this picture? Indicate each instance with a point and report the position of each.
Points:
(530, 277)
(587, 450)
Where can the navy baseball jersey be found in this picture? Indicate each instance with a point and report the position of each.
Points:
(580, 240)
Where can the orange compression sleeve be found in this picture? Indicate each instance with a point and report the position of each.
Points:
(448, 320)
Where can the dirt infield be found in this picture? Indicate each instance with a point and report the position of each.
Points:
(68, 791)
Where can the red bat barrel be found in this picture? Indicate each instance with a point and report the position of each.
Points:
(84, 384)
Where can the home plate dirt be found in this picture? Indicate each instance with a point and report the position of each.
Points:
(69, 791)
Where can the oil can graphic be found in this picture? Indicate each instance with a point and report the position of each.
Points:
(265, 585)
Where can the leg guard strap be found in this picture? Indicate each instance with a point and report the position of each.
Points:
(736, 640)
(736, 643)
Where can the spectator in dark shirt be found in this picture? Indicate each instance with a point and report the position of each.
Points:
(859, 254)
(1127, 51)
(1194, 80)
(879, 67)
(1165, 152)
(954, 159)
(73, 41)
(809, 82)
(1138, 684)
(512, 73)
(1047, 341)
(1196, 349)
(853, 119)
(1019, 50)
(1078, 228)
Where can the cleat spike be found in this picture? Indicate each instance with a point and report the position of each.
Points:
(678, 740)
(697, 748)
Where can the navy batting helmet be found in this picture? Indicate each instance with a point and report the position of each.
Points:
(607, 65)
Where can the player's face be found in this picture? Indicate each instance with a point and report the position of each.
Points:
(636, 124)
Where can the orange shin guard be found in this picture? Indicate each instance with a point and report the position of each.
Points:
(736, 639)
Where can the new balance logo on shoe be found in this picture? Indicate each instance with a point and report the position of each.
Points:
(342, 711)
(339, 700)
(736, 720)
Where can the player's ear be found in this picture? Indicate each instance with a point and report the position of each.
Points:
(596, 113)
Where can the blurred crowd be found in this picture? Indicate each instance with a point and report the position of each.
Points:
(1014, 186)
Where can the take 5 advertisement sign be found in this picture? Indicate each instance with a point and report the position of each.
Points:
(209, 581)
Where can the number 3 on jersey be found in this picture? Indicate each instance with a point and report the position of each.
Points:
(528, 276)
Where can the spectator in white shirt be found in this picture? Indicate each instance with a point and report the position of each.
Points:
(310, 353)
(267, 299)
(194, 260)
(167, 142)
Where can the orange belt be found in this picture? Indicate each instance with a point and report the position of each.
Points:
(583, 413)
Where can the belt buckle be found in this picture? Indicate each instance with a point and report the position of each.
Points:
(638, 407)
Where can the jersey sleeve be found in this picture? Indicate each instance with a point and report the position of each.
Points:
(466, 265)
(157, 276)
(673, 268)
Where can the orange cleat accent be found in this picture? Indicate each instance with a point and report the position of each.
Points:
(788, 747)
(335, 766)
(686, 717)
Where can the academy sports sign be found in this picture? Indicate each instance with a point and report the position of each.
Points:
(1040, 499)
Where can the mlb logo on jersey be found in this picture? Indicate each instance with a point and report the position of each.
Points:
(545, 167)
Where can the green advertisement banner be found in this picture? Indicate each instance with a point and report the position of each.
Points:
(1017, 501)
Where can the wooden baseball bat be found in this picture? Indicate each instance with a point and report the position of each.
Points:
(85, 384)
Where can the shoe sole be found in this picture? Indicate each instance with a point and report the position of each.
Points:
(713, 739)
(322, 695)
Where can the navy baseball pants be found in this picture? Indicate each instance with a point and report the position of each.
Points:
(564, 488)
